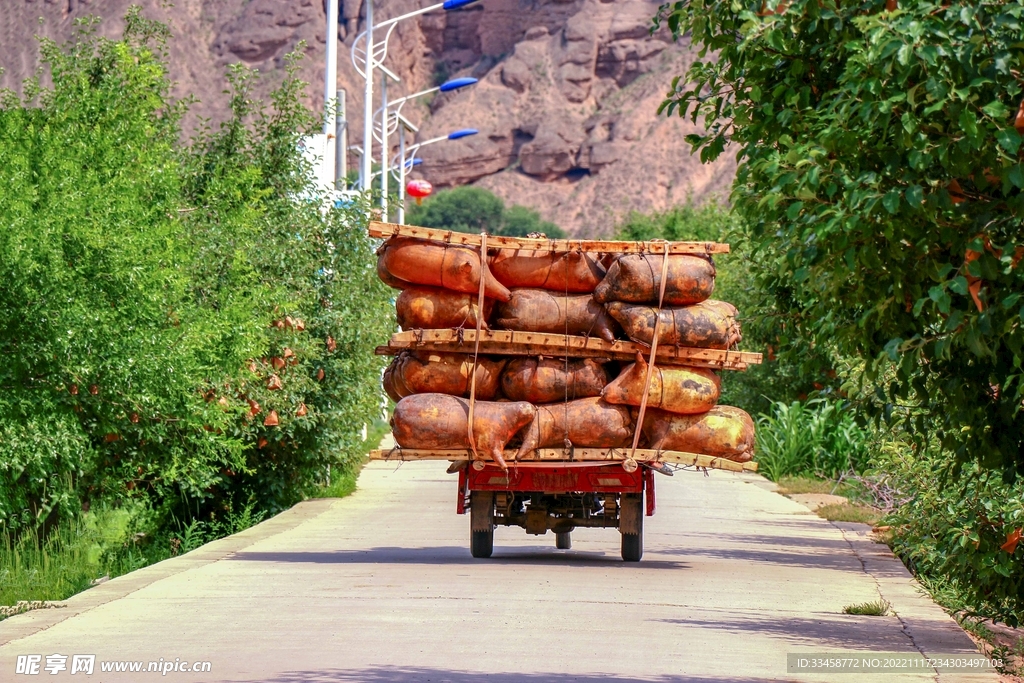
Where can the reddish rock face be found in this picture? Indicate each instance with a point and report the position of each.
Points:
(566, 104)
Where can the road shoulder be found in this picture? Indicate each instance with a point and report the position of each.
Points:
(32, 622)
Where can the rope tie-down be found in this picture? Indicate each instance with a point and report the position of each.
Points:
(630, 463)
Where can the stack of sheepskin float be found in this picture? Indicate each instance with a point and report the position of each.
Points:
(554, 402)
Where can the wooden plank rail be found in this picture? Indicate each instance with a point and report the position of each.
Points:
(563, 455)
(508, 342)
(385, 230)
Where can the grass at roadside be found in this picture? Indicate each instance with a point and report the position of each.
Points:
(997, 641)
(856, 509)
(51, 570)
(847, 512)
(343, 483)
(102, 543)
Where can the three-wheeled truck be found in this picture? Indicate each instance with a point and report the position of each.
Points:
(558, 497)
(558, 489)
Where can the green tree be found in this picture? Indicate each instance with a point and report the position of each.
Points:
(519, 221)
(880, 177)
(160, 299)
(463, 209)
(474, 209)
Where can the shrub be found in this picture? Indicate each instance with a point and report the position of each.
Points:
(520, 221)
(160, 299)
(957, 533)
(463, 209)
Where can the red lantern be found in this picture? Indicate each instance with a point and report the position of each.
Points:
(419, 189)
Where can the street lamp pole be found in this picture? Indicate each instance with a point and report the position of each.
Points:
(385, 148)
(368, 100)
(401, 175)
(402, 162)
(391, 114)
(331, 95)
(341, 142)
(372, 62)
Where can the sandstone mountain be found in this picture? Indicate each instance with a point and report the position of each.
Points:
(566, 103)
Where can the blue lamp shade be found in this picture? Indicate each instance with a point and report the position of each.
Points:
(413, 162)
(456, 83)
(456, 4)
(464, 133)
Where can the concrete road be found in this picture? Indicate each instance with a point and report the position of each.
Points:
(380, 586)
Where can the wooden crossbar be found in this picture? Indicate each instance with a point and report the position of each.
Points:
(385, 230)
(509, 342)
(563, 455)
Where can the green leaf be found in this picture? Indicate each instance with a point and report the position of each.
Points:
(996, 109)
(941, 298)
(904, 54)
(892, 348)
(915, 196)
(968, 122)
(1016, 175)
(1009, 139)
(891, 201)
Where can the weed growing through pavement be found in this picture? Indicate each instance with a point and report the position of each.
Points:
(878, 608)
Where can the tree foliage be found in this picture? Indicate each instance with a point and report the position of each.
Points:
(881, 179)
(474, 209)
(959, 533)
(161, 299)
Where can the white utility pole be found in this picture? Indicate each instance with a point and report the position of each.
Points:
(341, 135)
(331, 96)
(368, 101)
(385, 148)
(401, 175)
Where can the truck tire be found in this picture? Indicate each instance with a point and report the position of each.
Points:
(481, 523)
(631, 524)
(563, 540)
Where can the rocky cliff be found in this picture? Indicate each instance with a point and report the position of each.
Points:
(566, 104)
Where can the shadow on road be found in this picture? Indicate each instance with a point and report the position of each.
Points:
(838, 631)
(752, 553)
(396, 674)
(790, 551)
(455, 555)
